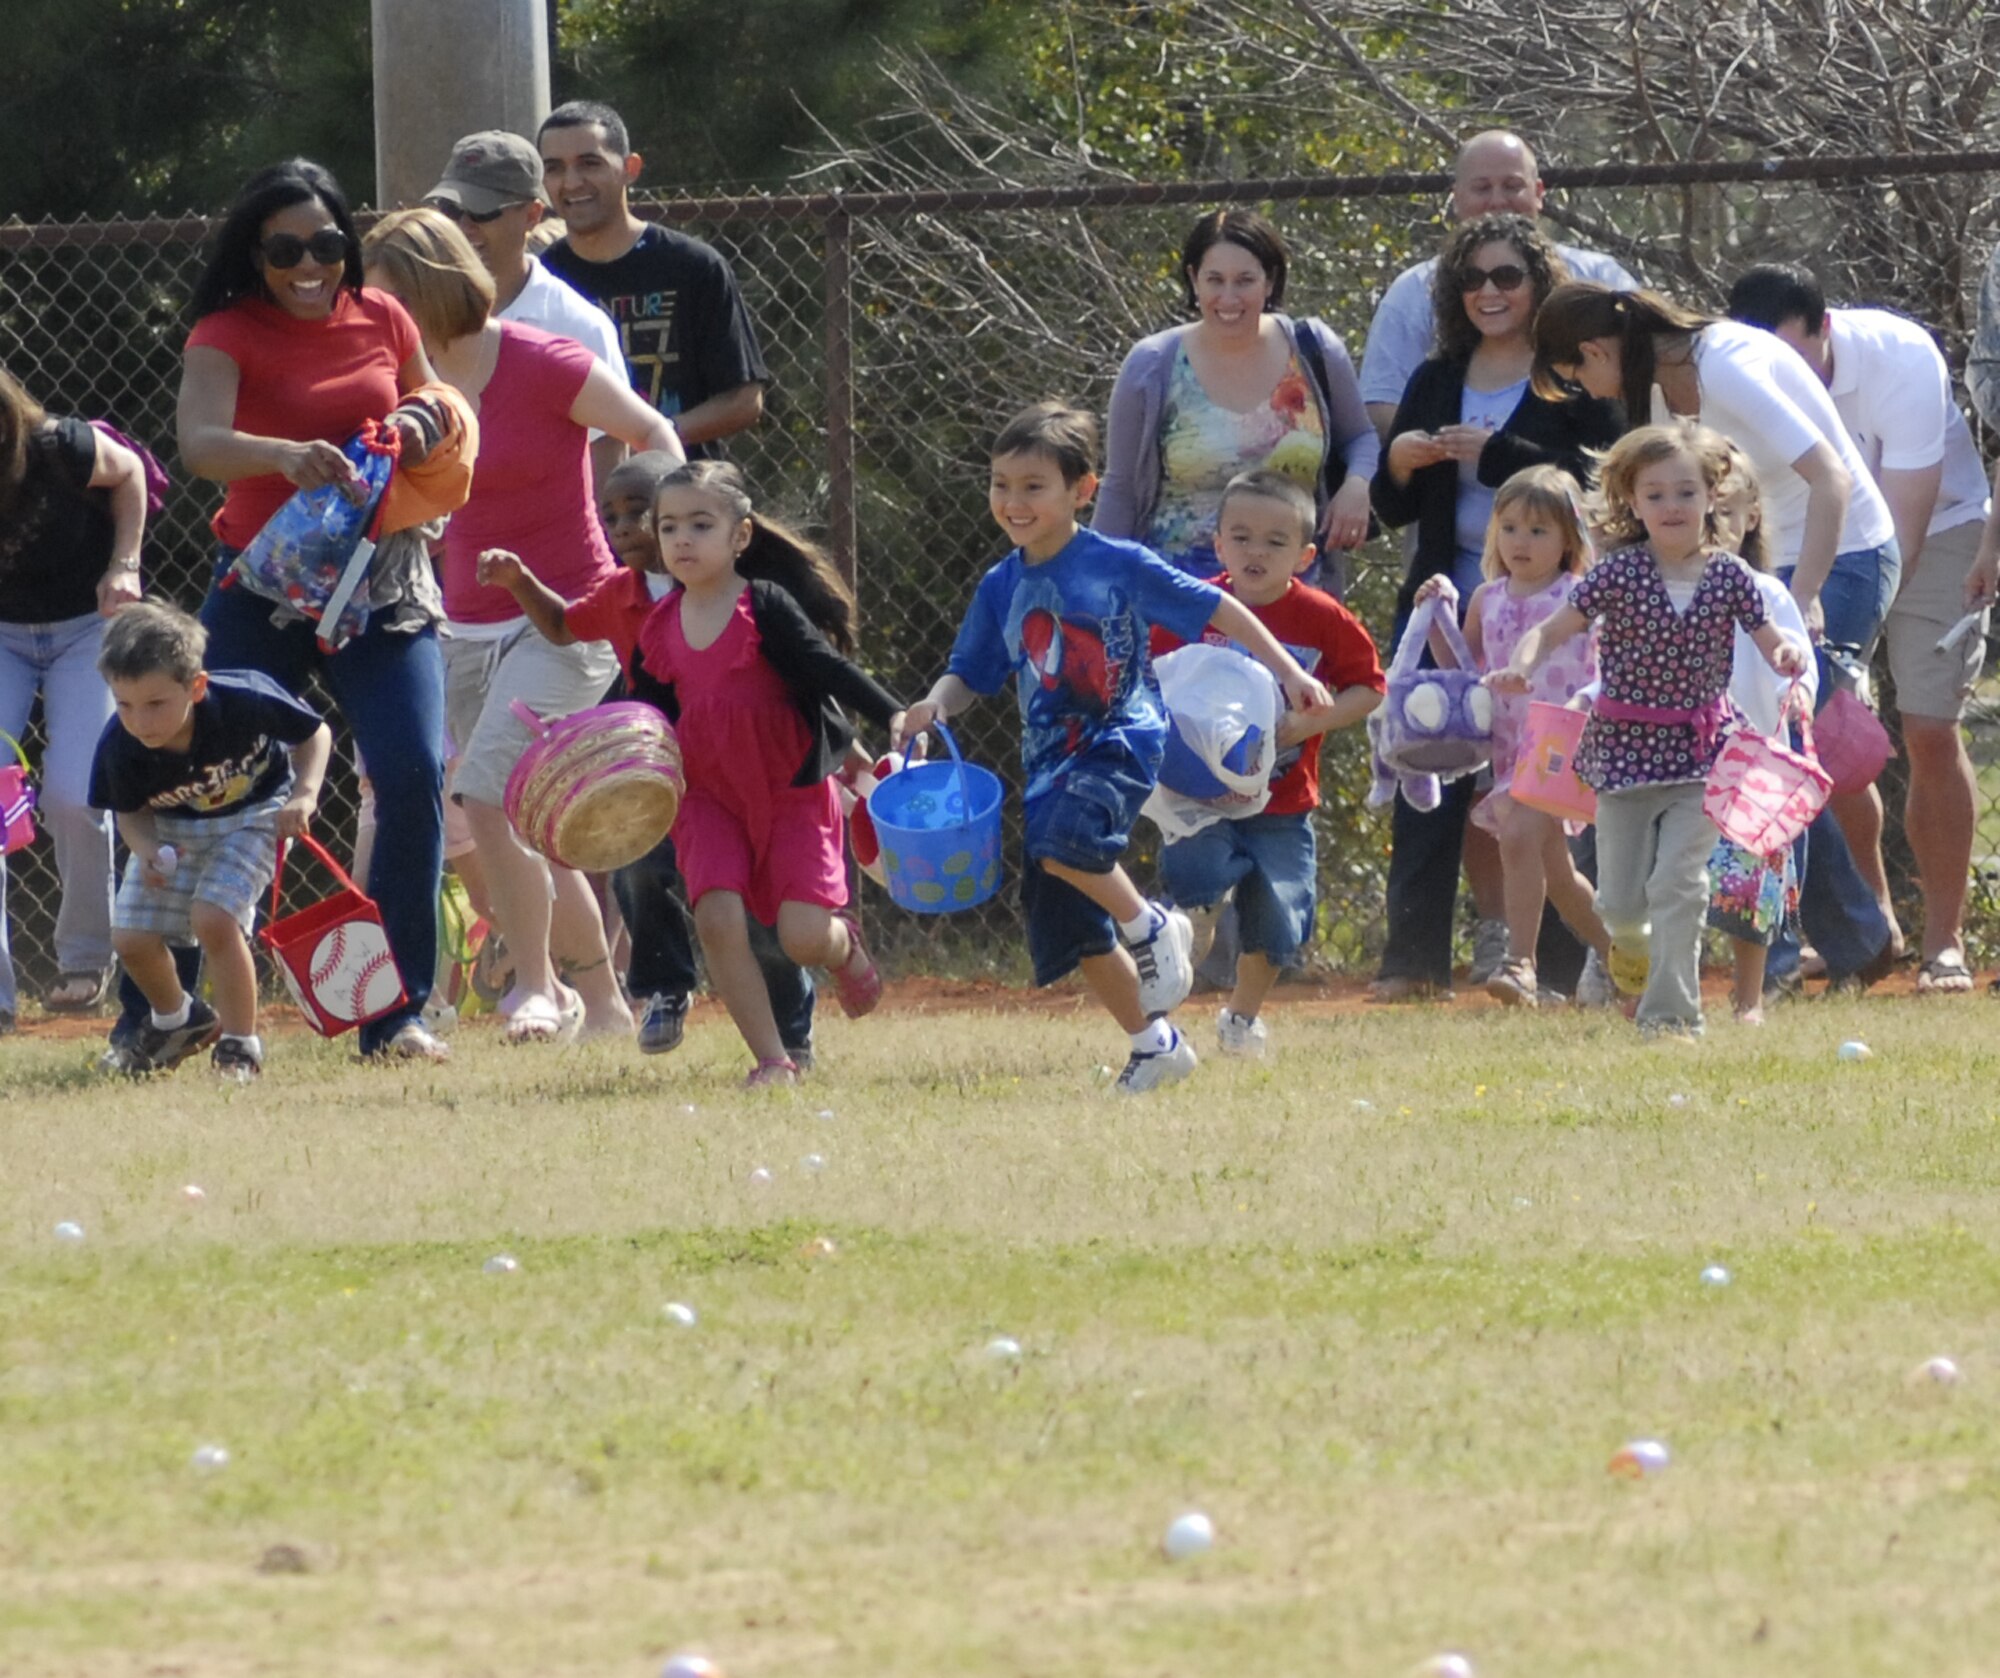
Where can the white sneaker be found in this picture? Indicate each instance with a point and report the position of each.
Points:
(1489, 951)
(1166, 963)
(1164, 1066)
(1595, 989)
(1238, 1036)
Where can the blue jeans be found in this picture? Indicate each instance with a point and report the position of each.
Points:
(1837, 911)
(1269, 861)
(59, 661)
(390, 690)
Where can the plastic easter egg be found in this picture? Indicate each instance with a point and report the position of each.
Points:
(1639, 1460)
(676, 1312)
(67, 1231)
(1853, 1049)
(209, 1459)
(1189, 1535)
(1715, 1277)
(1003, 1349)
(1938, 1372)
(501, 1264)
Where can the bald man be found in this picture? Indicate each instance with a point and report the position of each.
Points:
(1496, 173)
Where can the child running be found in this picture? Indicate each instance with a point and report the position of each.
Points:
(1667, 604)
(660, 976)
(747, 658)
(1753, 897)
(1068, 614)
(206, 771)
(1268, 864)
(1537, 551)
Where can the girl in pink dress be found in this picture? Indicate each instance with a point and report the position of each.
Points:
(1537, 550)
(747, 657)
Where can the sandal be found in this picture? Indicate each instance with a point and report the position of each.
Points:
(78, 992)
(1945, 974)
(772, 1074)
(535, 1020)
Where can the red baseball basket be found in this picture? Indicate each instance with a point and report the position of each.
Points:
(334, 956)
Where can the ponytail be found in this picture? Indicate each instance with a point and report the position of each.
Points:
(1582, 311)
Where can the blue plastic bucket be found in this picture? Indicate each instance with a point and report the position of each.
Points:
(939, 824)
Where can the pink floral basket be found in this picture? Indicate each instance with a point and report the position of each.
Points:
(1761, 794)
(1545, 772)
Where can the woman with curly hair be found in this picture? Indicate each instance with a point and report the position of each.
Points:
(1469, 420)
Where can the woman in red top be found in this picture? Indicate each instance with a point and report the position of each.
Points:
(288, 356)
(539, 397)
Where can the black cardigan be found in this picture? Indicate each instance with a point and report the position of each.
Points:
(1539, 433)
(812, 669)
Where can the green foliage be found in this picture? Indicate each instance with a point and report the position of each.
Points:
(115, 107)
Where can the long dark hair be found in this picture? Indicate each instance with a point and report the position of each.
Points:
(1233, 226)
(21, 417)
(1583, 310)
(777, 553)
(1457, 337)
(232, 273)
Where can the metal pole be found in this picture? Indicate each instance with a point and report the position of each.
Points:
(840, 497)
(447, 68)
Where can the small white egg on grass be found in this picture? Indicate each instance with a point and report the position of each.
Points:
(1854, 1049)
(209, 1459)
(676, 1312)
(68, 1231)
(1188, 1535)
(1444, 1666)
(691, 1666)
(813, 1164)
(760, 1177)
(1935, 1372)
(1003, 1348)
(501, 1264)
(1714, 1276)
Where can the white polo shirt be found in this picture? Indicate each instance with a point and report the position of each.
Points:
(1760, 394)
(1405, 324)
(1893, 391)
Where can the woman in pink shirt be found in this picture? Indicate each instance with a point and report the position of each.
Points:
(538, 398)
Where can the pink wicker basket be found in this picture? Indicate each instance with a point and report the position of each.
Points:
(597, 789)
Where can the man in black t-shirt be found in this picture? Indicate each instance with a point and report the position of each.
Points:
(680, 317)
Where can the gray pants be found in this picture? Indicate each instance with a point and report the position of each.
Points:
(1653, 845)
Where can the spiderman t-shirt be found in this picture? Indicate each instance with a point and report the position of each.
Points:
(1074, 633)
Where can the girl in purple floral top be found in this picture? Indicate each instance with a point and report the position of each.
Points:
(1668, 609)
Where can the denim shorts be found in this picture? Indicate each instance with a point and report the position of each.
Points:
(1271, 862)
(1084, 822)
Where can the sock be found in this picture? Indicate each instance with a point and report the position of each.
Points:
(1156, 1039)
(253, 1044)
(1140, 928)
(175, 1020)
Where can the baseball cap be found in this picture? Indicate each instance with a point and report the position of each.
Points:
(490, 170)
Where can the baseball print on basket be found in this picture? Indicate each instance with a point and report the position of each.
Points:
(334, 956)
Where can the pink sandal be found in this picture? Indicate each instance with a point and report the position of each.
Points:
(858, 984)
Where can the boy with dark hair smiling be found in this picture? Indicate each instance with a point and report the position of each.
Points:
(1069, 614)
(205, 771)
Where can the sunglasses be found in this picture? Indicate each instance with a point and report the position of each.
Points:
(1509, 276)
(287, 250)
(458, 212)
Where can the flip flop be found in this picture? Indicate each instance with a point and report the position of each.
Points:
(1945, 974)
(78, 992)
(536, 1020)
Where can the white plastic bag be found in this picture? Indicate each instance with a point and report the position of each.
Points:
(1223, 708)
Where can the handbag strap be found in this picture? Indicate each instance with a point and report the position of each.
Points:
(16, 745)
(325, 856)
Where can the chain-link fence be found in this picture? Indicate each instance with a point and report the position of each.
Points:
(902, 326)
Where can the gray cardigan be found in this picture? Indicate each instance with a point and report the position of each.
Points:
(1131, 486)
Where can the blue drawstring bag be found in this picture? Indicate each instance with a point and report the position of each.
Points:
(314, 552)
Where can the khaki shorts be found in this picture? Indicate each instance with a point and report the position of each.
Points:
(1930, 683)
(482, 678)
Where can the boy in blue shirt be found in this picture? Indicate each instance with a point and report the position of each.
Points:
(205, 772)
(1069, 613)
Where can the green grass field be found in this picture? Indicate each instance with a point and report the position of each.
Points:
(1383, 1307)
